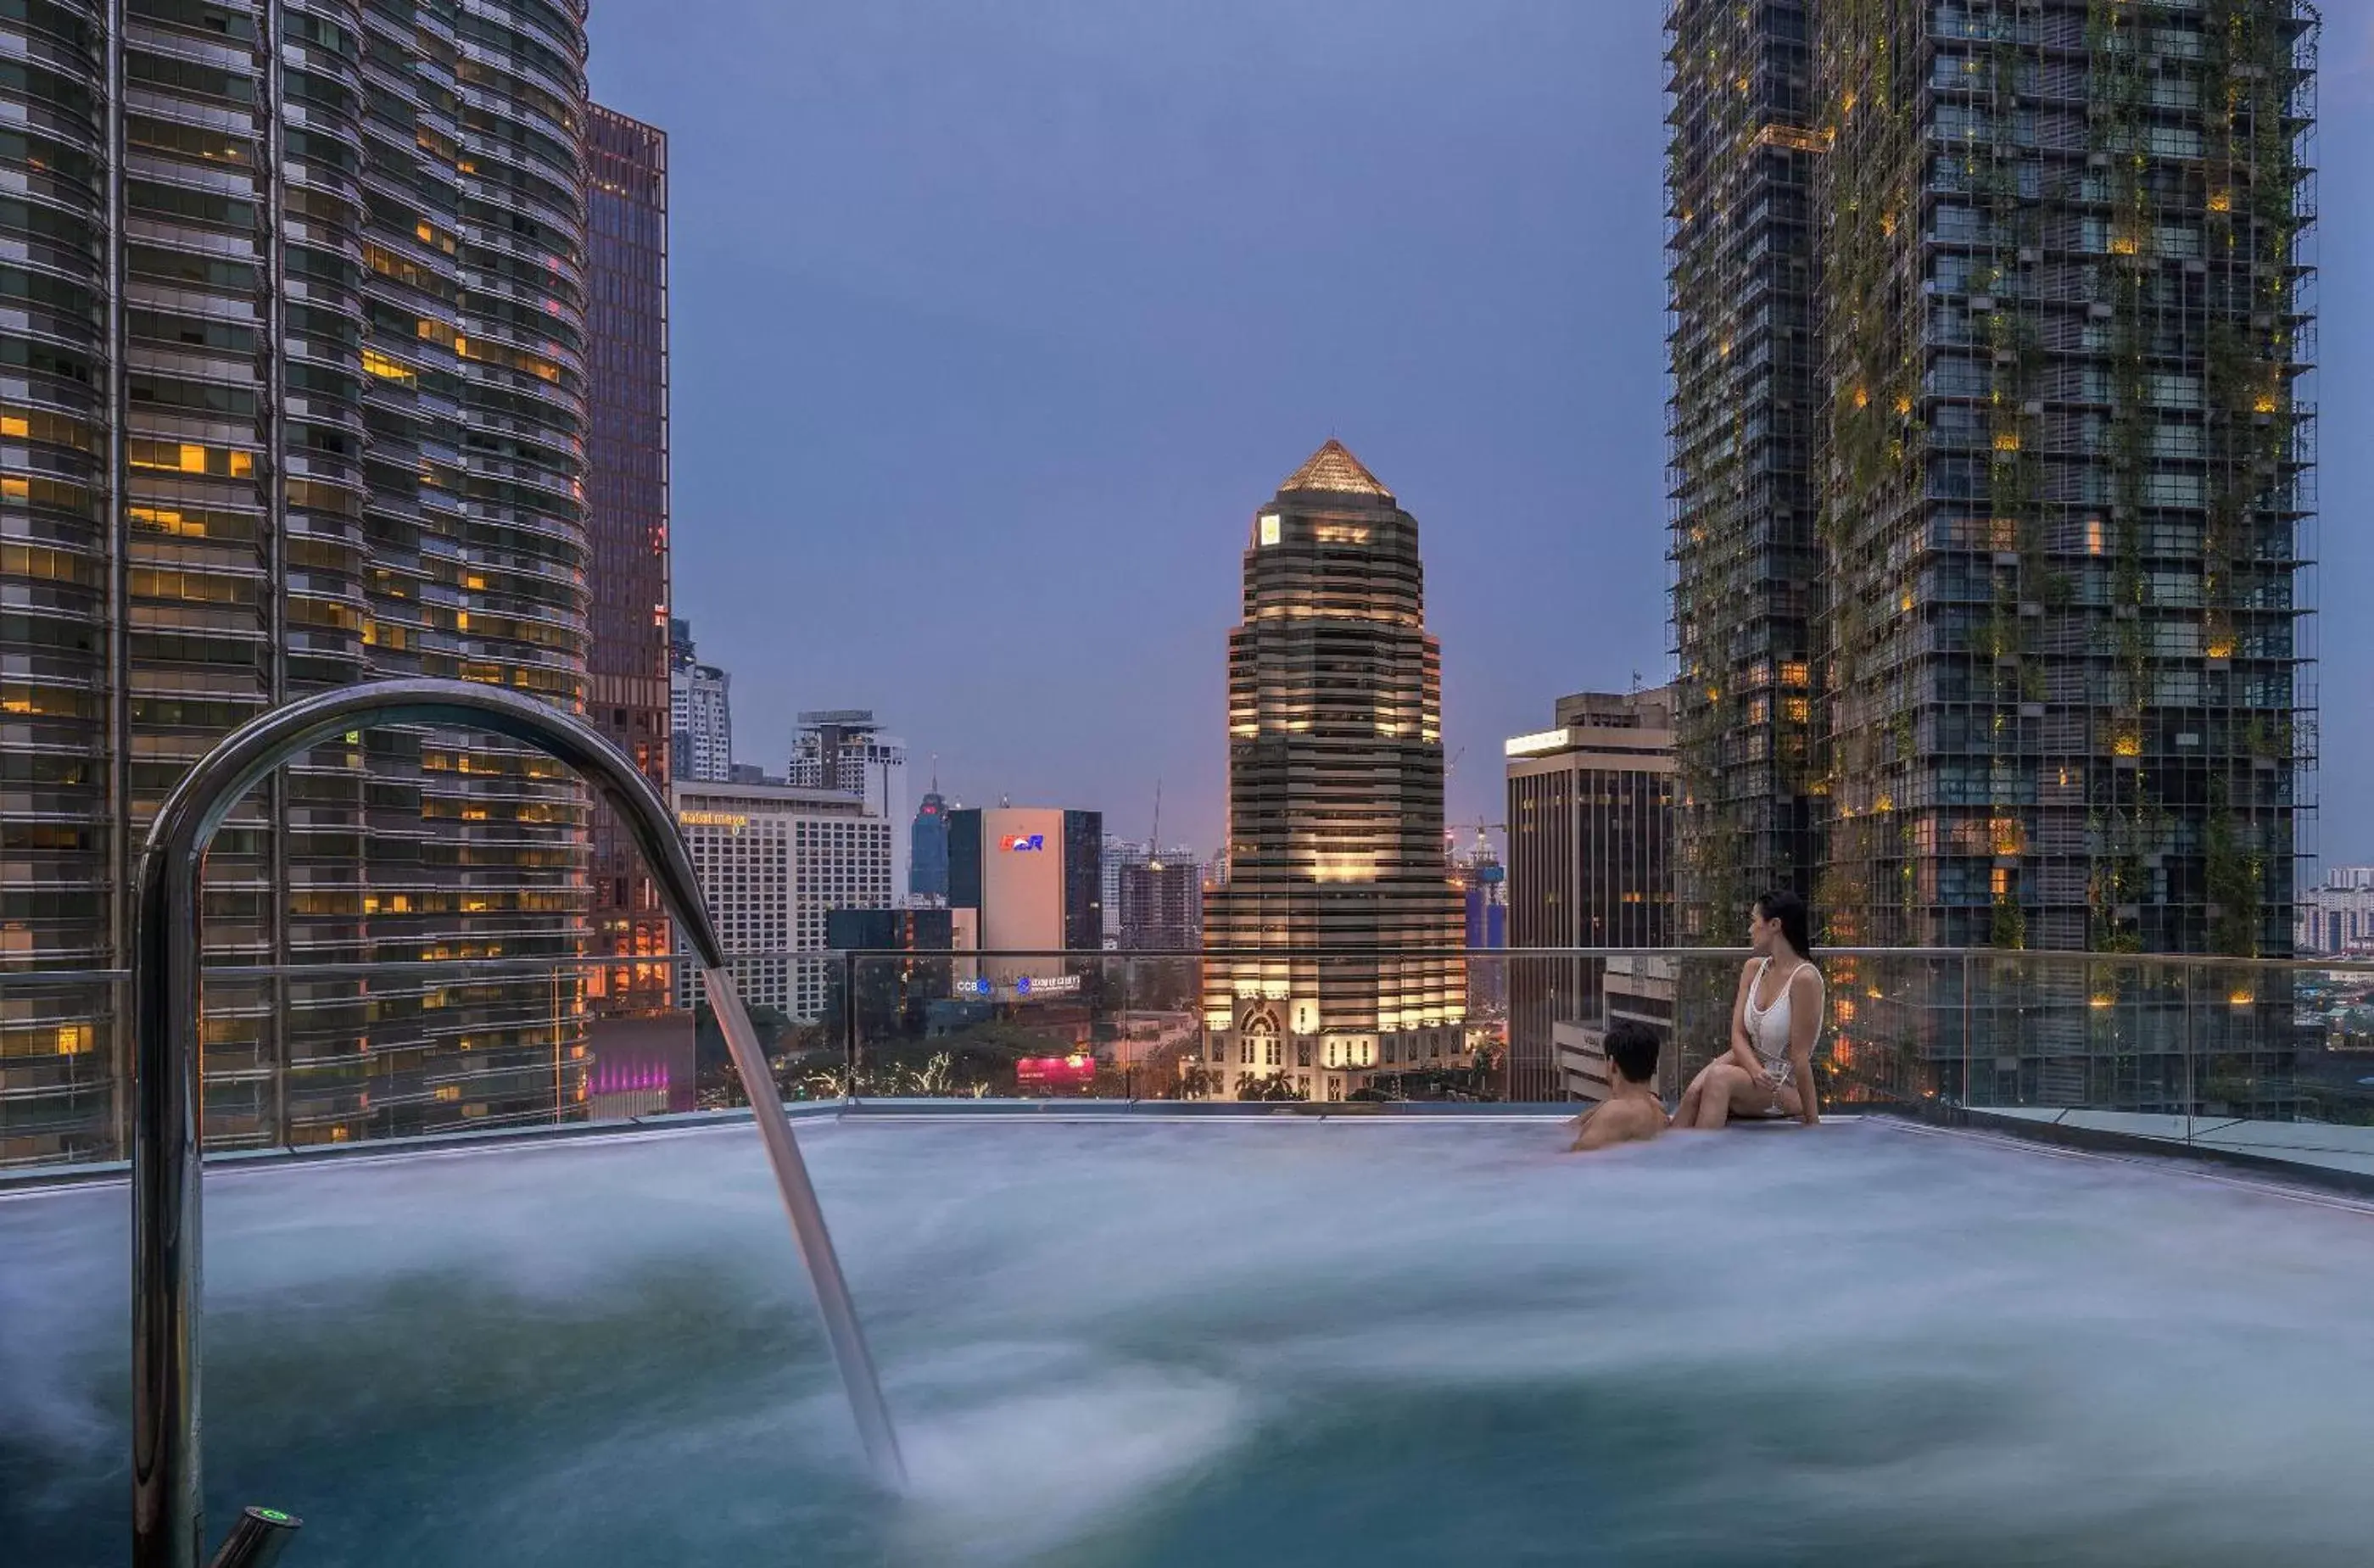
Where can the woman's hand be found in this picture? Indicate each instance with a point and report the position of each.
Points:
(1808, 1111)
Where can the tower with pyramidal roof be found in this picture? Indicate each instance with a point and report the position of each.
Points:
(1331, 949)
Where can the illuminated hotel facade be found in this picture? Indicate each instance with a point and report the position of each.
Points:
(1335, 873)
(774, 864)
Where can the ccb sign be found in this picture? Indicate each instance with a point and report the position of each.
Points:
(1023, 842)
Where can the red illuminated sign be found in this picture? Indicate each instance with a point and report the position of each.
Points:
(1077, 1070)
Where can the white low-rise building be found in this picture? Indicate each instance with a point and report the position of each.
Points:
(773, 861)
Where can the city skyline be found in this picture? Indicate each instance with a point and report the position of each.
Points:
(1501, 358)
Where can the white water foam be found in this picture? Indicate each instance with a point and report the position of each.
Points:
(1121, 1342)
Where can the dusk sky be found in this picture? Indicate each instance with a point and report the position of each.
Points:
(994, 323)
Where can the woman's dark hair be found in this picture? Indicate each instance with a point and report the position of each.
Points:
(1789, 909)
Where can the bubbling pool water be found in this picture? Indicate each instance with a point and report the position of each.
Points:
(1380, 1341)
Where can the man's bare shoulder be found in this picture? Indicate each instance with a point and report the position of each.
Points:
(1629, 1119)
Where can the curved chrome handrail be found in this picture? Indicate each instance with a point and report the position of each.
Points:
(167, 1502)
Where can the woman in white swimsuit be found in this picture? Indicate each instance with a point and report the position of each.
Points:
(1775, 1021)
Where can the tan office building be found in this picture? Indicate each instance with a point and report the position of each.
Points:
(1591, 834)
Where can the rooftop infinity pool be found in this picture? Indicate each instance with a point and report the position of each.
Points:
(1291, 1341)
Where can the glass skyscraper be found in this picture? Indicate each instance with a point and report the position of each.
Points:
(1336, 873)
(627, 528)
(1744, 353)
(927, 865)
(294, 396)
(1990, 466)
(2014, 295)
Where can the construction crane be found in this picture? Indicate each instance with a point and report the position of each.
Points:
(1484, 830)
(1154, 838)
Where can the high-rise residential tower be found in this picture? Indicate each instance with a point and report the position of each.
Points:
(700, 714)
(846, 749)
(1741, 260)
(2057, 459)
(627, 528)
(1336, 877)
(1161, 899)
(1124, 855)
(296, 397)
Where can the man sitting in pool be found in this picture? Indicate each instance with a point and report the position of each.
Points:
(1632, 1113)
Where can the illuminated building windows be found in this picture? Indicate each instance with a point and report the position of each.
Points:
(1336, 787)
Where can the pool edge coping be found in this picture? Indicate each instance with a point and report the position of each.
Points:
(2258, 1172)
(28, 1179)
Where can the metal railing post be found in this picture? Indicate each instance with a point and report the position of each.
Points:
(2191, 993)
(848, 1044)
(1969, 1089)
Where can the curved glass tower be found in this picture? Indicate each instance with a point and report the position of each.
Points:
(297, 398)
(1336, 866)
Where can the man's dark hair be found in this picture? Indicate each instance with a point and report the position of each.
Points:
(1632, 1047)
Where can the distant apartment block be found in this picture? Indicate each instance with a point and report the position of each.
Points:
(2336, 916)
(847, 749)
(700, 714)
(1161, 899)
(902, 964)
(1124, 855)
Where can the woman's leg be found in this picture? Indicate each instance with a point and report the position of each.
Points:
(1716, 1089)
(1687, 1113)
(1743, 1096)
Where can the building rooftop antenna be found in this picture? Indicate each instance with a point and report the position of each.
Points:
(1154, 839)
